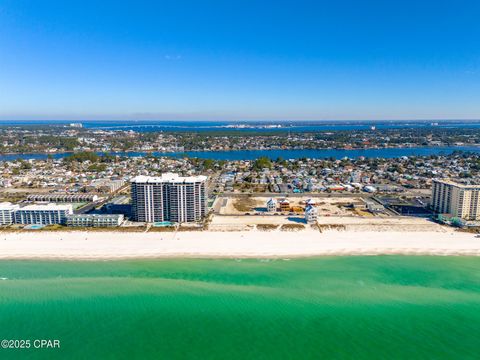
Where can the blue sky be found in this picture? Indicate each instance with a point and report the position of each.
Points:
(240, 60)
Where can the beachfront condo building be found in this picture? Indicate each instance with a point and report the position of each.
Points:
(456, 199)
(94, 220)
(43, 214)
(7, 213)
(169, 197)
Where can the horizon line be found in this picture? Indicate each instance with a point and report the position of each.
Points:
(240, 120)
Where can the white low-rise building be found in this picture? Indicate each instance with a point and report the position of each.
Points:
(7, 213)
(106, 185)
(63, 197)
(94, 220)
(43, 214)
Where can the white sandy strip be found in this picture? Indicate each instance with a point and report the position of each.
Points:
(115, 245)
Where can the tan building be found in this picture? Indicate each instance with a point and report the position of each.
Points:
(456, 199)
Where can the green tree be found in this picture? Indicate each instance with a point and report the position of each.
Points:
(262, 162)
(82, 157)
(208, 164)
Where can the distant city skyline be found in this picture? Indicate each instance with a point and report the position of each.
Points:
(239, 61)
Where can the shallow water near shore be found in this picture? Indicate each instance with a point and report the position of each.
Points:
(385, 307)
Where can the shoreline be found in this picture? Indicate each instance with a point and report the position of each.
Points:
(233, 245)
(438, 253)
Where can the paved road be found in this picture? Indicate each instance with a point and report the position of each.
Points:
(91, 206)
(292, 195)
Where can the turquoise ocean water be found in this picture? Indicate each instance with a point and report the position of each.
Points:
(388, 307)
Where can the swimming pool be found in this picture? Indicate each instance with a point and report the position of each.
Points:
(34, 227)
(163, 223)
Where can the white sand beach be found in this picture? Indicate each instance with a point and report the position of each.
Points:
(205, 244)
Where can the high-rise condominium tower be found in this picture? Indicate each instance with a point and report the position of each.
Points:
(169, 198)
(456, 199)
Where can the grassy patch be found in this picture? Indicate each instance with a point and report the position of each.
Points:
(244, 204)
(292, 227)
(267, 227)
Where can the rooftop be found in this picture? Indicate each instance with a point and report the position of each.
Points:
(7, 206)
(311, 209)
(92, 216)
(459, 185)
(168, 178)
(49, 206)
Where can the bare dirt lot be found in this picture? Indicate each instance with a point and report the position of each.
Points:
(257, 205)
